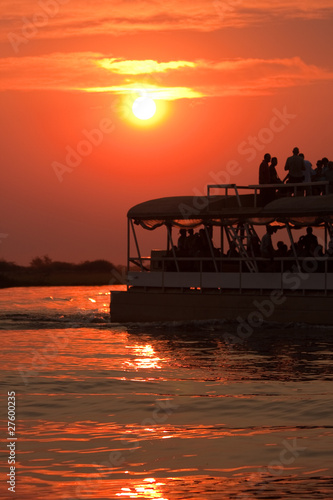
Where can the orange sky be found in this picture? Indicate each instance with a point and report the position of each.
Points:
(232, 80)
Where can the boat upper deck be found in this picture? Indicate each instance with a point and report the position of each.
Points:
(226, 209)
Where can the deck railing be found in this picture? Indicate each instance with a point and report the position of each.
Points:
(283, 273)
(296, 188)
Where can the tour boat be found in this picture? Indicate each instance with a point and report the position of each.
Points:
(229, 279)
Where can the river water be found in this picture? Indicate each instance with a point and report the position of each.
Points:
(161, 411)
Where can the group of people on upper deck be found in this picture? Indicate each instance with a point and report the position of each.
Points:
(299, 170)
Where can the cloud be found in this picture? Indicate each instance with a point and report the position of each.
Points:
(124, 67)
(57, 71)
(229, 77)
(154, 91)
(262, 76)
(169, 80)
(49, 19)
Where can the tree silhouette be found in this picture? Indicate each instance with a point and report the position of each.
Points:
(41, 262)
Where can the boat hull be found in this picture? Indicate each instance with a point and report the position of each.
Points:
(252, 308)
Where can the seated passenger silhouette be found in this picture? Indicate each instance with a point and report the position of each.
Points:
(191, 248)
(203, 243)
(190, 242)
(308, 243)
(330, 243)
(233, 252)
(282, 249)
(254, 246)
(182, 243)
(266, 247)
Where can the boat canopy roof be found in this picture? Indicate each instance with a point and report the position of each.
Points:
(192, 211)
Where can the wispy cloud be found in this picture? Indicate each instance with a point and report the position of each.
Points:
(124, 67)
(84, 18)
(262, 75)
(169, 80)
(154, 91)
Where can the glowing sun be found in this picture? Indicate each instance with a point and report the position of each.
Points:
(144, 108)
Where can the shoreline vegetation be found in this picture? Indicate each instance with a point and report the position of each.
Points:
(45, 272)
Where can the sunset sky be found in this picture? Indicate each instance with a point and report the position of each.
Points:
(231, 80)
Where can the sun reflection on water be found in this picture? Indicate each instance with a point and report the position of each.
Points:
(151, 490)
(146, 358)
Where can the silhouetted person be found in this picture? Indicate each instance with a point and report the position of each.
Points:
(324, 163)
(282, 249)
(280, 252)
(274, 178)
(308, 174)
(308, 243)
(295, 166)
(254, 246)
(182, 243)
(190, 242)
(319, 177)
(232, 252)
(204, 250)
(191, 249)
(266, 247)
(330, 245)
(329, 176)
(265, 178)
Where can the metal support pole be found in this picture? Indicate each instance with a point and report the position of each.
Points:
(128, 248)
(137, 245)
(222, 245)
(248, 233)
(237, 196)
(168, 240)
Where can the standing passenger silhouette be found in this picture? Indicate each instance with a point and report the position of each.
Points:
(265, 178)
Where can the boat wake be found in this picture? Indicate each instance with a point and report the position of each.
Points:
(36, 321)
(85, 319)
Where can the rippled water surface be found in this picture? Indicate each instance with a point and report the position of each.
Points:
(163, 411)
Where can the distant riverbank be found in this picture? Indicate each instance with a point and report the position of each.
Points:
(44, 272)
(12, 279)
